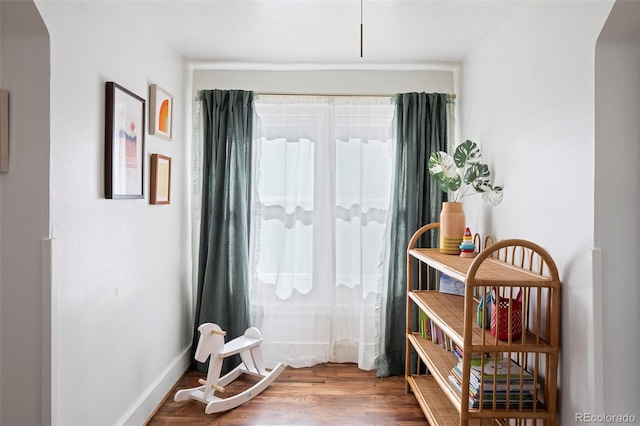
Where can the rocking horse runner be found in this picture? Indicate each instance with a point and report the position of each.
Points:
(211, 343)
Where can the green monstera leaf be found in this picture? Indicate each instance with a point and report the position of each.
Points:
(464, 167)
(442, 167)
(477, 174)
(466, 154)
(491, 194)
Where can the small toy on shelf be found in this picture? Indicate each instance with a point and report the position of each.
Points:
(467, 247)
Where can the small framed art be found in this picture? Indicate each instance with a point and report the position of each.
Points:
(124, 143)
(160, 112)
(160, 179)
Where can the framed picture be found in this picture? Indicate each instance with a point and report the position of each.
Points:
(4, 131)
(160, 179)
(160, 112)
(124, 143)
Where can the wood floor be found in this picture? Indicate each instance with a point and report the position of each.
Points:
(327, 394)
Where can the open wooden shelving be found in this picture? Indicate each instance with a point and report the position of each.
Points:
(506, 267)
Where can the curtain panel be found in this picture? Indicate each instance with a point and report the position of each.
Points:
(423, 124)
(226, 126)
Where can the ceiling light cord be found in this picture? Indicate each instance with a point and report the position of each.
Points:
(361, 29)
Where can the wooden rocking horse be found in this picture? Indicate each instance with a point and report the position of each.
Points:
(211, 343)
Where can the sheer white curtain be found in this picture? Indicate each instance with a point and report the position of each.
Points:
(322, 184)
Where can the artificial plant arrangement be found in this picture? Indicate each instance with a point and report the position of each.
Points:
(464, 168)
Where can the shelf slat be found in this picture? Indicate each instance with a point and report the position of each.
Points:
(439, 362)
(436, 406)
(434, 403)
(446, 310)
(491, 270)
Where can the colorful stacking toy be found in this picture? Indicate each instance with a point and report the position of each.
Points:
(467, 248)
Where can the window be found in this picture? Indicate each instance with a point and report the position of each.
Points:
(321, 194)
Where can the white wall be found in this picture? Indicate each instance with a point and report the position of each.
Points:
(527, 98)
(122, 310)
(24, 220)
(617, 204)
(327, 81)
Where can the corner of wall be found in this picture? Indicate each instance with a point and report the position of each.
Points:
(146, 405)
(25, 278)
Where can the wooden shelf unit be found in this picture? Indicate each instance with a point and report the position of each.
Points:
(504, 268)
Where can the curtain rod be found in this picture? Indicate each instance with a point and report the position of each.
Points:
(453, 95)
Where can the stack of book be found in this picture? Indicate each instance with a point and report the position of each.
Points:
(430, 331)
(501, 380)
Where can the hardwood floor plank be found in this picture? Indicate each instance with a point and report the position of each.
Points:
(326, 394)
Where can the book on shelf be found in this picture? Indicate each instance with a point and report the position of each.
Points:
(499, 369)
(474, 355)
(501, 379)
(476, 385)
(457, 352)
(439, 338)
(424, 330)
(502, 399)
(450, 285)
(430, 331)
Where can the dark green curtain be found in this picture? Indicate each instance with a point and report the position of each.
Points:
(422, 123)
(227, 118)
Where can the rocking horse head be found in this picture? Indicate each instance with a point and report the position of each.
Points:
(211, 341)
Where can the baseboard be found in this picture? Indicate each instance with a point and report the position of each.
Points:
(596, 335)
(155, 394)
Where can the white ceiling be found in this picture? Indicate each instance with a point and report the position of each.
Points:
(324, 31)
